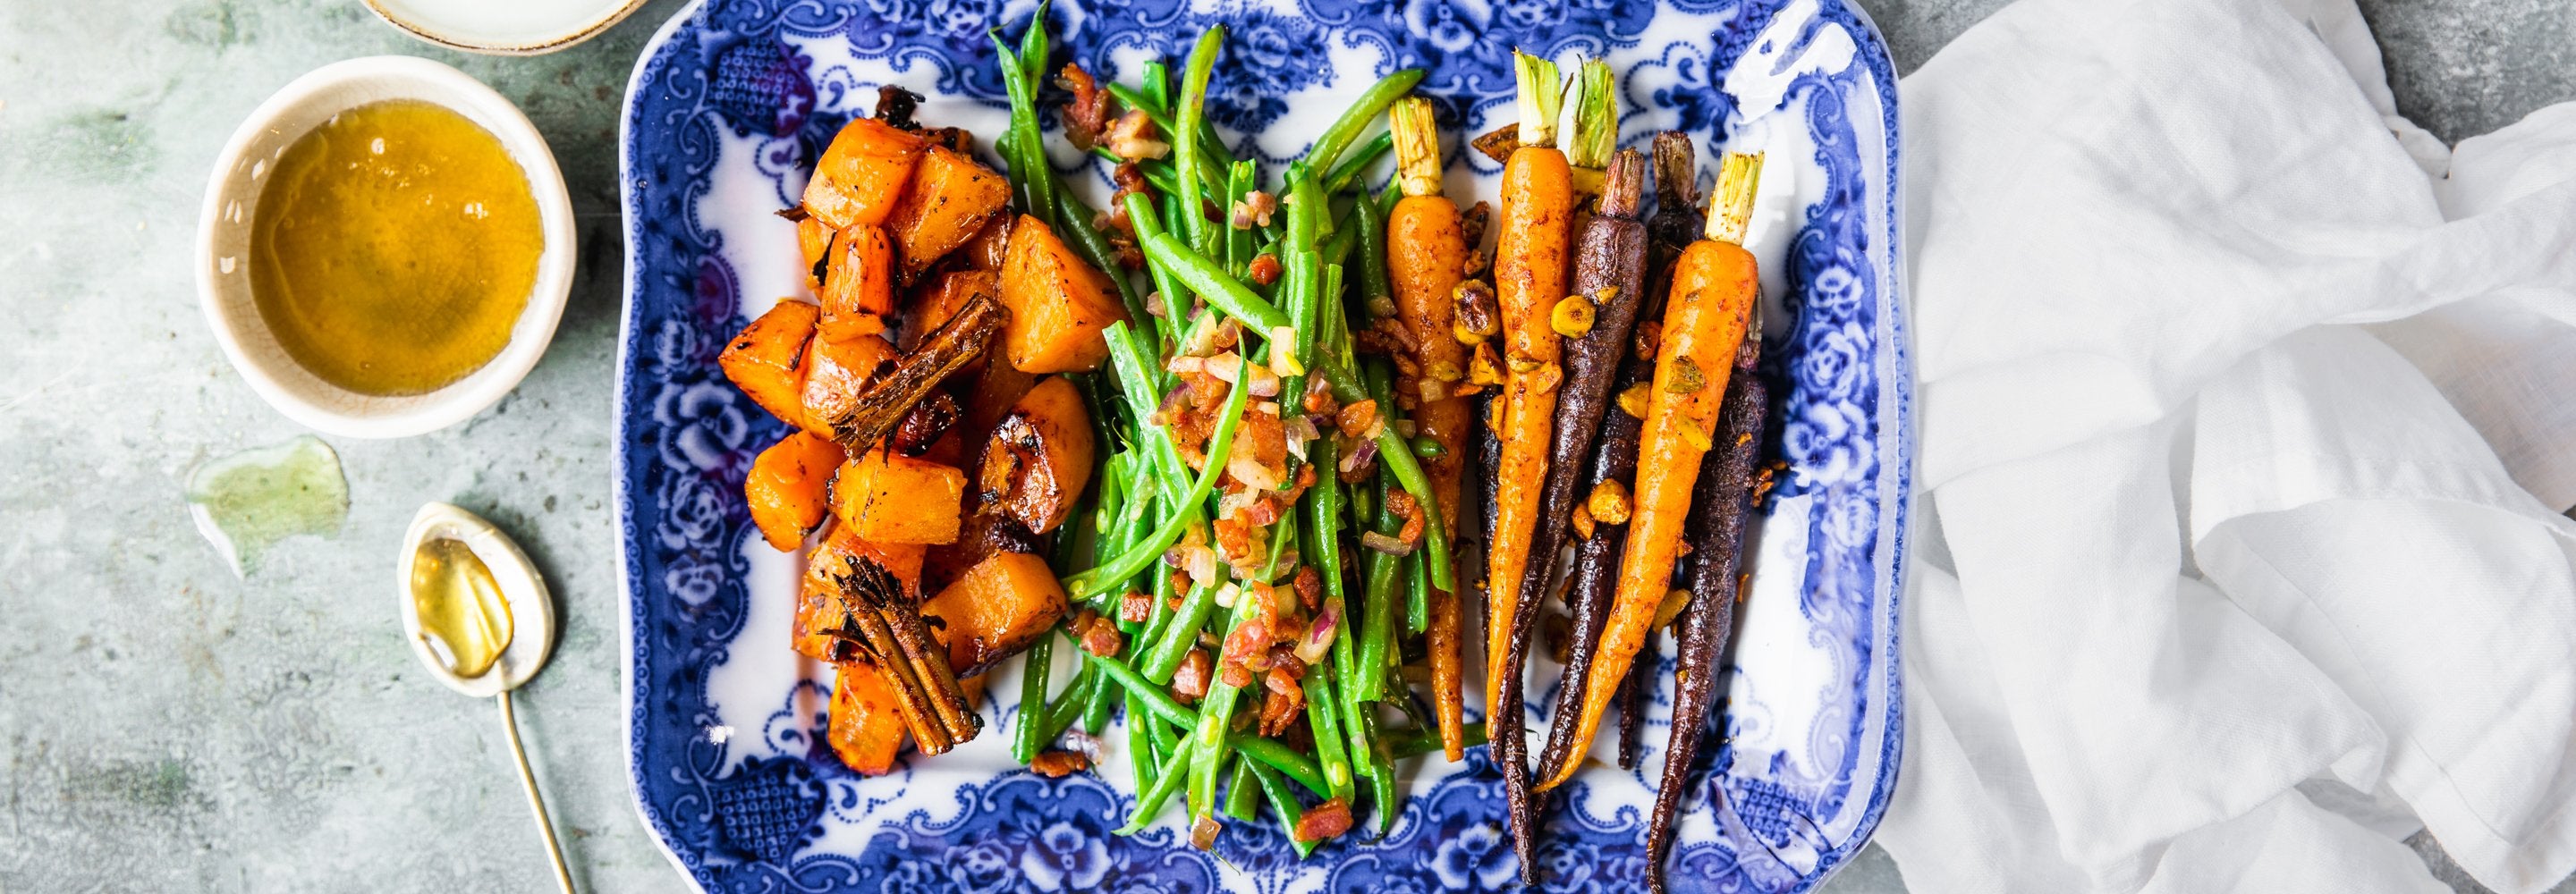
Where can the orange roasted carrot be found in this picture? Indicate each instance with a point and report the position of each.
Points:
(1529, 277)
(1714, 287)
(1530, 255)
(1426, 255)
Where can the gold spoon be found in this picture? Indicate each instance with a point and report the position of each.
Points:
(479, 617)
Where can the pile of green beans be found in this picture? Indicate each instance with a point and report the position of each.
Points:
(1145, 498)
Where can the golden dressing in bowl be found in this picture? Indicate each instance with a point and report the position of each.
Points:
(394, 247)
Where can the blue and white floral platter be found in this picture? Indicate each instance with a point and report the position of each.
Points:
(733, 100)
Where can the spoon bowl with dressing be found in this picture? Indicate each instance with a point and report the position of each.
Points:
(386, 247)
(479, 617)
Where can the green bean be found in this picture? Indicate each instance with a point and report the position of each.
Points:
(1213, 154)
(1284, 802)
(1345, 658)
(1182, 634)
(1033, 697)
(1241, 792)
(1185, 132)
(1325, 720)
(1104, 694)
(1176, 303)
(1160, 704)
(1209, 281)
(1284, 759)
(1138, 378)
(1281, 534)
(1364, 111)
(1390, 804)
(1140, 739)
(1417, 604)
(1324, 503)
(1026, 154)
(1216, 717)
(1339, 179)
(1377, 623)
(1077, 697)
(1167, 779)
(1239, 182)
(1158, 86)
(1089, 583)
(1426, 740)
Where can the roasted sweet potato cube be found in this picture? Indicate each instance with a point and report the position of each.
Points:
(890, 498)
(979, 537)
(996, 609)
(1058, 303)
(789, 488)
(950, 199)
(1039, 457)
(860, 278)
(867, 728)
(863, 174)
(991, 245)
(837, 371)
(767, 359)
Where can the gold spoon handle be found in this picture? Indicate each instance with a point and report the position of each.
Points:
(536, 802)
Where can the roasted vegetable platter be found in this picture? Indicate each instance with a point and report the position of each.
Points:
(867, 516)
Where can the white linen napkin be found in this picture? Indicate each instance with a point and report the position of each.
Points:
(2248, 409)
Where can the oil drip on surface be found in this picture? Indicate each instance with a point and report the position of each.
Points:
(247, 502)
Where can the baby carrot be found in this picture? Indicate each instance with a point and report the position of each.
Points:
(1714, 286)
(1426, 257)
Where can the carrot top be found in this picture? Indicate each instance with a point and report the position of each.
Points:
(1596, 117)
(1417, 146)
(1541, 98)
(1730, 212)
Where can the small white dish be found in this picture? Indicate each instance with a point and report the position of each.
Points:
(232, 201)
(532, 607)
(504, 27)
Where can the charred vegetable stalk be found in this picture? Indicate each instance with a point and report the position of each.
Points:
(1725, 496)
(887, 628)
(1426, 253)
(884, 405)
(1714, 286)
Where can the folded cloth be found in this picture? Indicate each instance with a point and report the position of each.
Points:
(2242, 558)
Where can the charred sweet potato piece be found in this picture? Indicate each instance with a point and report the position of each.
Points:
(1039, 457)
(867, 727)
(980, 536)
(996, 609)
(887, 497)
(863, 174)
(789, 487)
(837, 370)
(1058, 303)
(878, 410)
(991, 245)
(860, 278)
(767, 359)
(950, 199)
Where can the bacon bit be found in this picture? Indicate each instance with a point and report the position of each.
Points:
(1402, 504)
(1135, 607)
(1283, 657)
(1326, 820)
(1236, 676)
(1319, 398)
(1086, 113)
(1265, 268)
(1286, 700)
(1236, 539)
(1059, 764)
(1103, 639)
(1262, 512)
(1203, 833)
(1357, 418)
(1308, 585)
(1249, 642)
(1190, 681)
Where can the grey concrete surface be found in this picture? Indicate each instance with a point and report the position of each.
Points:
(170, 728)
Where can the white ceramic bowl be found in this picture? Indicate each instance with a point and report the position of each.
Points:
(232, 201)
(504, 27)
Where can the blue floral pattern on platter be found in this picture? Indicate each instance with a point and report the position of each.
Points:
(732, 100)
